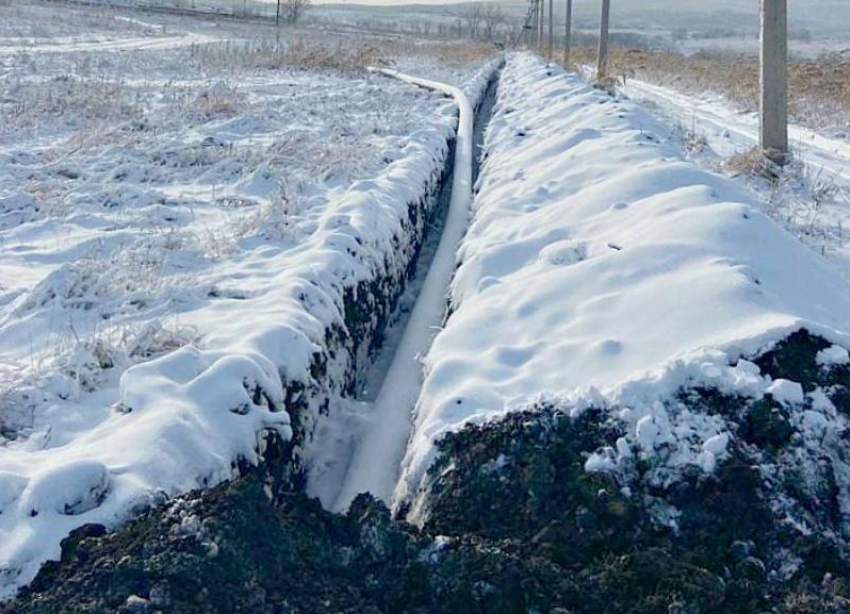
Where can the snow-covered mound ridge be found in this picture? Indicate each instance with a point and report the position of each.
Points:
(278, 324)
(183, 420)
(603, 270)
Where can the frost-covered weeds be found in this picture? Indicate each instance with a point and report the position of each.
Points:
(39, 23)
(76, 366)
(692, 141)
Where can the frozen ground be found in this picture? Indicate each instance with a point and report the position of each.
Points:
(179, 206)
(604, 270)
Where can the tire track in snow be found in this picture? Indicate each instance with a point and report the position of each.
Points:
(741, 130)
(149, 43)
(376, 464)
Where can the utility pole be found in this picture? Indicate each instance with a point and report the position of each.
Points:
(541, 23)
(774, 80)
(551, 28)
(532, 33)
(277, 16)
(602, 64)
(568, 33)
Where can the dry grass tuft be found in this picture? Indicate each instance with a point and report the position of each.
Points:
(218, 101)
(747, 163)
(342, 54)
(452, 54)
(299, 53)
(753, 163)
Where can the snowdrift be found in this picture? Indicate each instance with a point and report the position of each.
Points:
(602, 270)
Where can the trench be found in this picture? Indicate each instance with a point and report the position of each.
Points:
(352, 452)
(483, 114)
(376, 373)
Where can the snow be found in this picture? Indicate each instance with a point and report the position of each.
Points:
(834, 355)
(174, 251)
(175, 245)
(717, 444)
(713, 448)
(715, 116)
(599, 463)
(74, 488)
(672, 276)
(811, 200)
(375, 465)
(786, 392)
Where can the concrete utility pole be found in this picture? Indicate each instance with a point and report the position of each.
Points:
(568, 33)
(551, 28)
(602, 64)
(541, 23)
(532, 33)
(774, 80)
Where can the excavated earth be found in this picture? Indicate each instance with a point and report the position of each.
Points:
(515, 525)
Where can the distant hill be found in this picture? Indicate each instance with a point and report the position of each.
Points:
(825, 18)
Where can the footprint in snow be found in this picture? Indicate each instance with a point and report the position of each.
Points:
(514, 357)
(610, 347)
(563, 253)
(487, 282)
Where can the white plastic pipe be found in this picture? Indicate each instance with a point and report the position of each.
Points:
(376, 464)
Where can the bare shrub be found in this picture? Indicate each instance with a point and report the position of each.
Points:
(473, 16)
(291, 11)
(80, 100)
(494, 20)
(798, 196)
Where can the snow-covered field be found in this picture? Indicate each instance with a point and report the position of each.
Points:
(604, 270)
(750, 46)
(181, 213)
(28, 27)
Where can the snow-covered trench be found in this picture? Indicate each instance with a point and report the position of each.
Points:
(371, 460)
(192, 418)
(601, 269)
